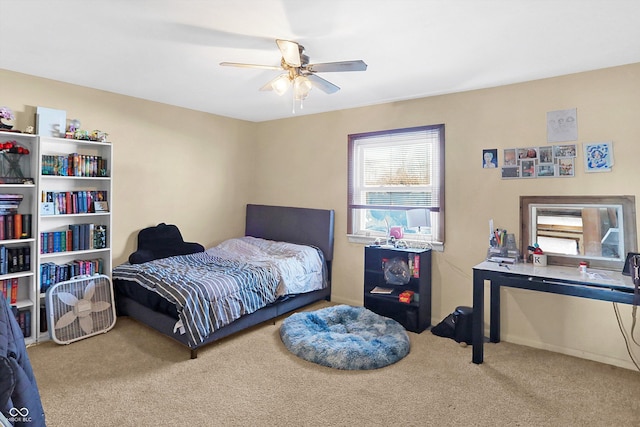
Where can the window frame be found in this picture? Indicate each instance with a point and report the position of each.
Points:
(438, 234)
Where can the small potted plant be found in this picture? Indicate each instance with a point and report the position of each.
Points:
(6, 115)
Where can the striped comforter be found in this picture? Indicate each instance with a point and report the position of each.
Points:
(213, 288)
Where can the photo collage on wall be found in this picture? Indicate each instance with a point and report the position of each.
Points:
(539, 162)
(555, 160)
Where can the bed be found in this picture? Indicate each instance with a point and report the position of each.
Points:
(309, 229)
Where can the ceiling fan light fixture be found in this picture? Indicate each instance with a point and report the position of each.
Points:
(281, 84)
(301, 87)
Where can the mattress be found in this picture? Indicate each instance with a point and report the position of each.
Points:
(208, 290)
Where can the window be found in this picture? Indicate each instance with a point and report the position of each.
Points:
(396, 179)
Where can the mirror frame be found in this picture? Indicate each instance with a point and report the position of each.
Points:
(628, 204)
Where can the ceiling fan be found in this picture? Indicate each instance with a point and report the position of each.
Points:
(299, 73)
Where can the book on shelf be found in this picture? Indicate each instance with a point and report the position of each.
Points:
(15, 226)
(70, 202)
(52, 273)
(414, 265)
(15, 259)
(77, 237)
(10, 290)
(74, 164)
(381, 290)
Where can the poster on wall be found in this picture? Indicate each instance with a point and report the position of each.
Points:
(490, 158)
(562, 125)
(598, 156)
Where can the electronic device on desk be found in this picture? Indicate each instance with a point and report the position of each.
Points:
(632, 268)
(626, 270)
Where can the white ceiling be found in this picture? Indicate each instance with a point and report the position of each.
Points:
(169, 51)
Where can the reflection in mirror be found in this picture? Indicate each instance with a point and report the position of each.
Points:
(570, 229)
(579, 230)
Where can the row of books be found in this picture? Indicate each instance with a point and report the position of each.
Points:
(10, 290)
(73, 202)
(78, 237)
(14, 259)
(15, 226)
(52, 273)
(74, 164)
(9, 203)
(24, 320)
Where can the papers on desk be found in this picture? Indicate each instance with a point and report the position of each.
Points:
(598, 276)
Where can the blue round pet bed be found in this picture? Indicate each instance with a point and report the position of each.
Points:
(345, 337)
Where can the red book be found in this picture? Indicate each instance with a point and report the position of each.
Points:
(14, 290)
(17, 226)
(68, 204)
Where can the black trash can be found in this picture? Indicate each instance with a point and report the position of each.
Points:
(462, 316)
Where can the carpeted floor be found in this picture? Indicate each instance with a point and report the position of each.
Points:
(132, 376)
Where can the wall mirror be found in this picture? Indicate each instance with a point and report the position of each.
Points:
(598, 229)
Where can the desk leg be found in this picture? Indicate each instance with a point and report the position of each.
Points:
(477, 324)
(494, 315)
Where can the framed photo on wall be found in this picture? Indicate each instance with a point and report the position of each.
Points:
(598, 157)
(528, 168)
(509, 157)
(566, 167)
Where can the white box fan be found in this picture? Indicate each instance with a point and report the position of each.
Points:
(80, 308)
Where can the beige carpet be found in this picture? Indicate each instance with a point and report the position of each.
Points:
(133, 376)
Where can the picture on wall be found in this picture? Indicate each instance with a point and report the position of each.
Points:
(545, 155)
(528, 168)
(509, 156)
(490, 158)
(528, 153)
(564, 151)
(539, 162)
(510, 172)
(562, 125)
(598, 157)
(546, 170)
(566, 167)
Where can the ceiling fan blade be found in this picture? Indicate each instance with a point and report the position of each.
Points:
(290, 52)
(237, 64)
(322, 84)
(327, 67)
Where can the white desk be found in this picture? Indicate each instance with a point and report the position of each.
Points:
(602, 285)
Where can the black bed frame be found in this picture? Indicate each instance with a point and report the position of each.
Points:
(296, 225)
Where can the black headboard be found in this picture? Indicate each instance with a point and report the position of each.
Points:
(296, 225)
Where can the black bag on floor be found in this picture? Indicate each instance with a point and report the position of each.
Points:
(456, 325)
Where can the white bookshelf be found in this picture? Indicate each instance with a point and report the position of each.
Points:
(14, 174)
(59, 218)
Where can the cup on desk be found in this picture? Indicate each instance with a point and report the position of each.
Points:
(539, 260)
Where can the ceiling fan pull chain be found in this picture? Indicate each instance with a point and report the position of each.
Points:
(293, 102)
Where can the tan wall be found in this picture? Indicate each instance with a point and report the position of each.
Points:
(199, 170)
(304, 163)
(171, 164)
